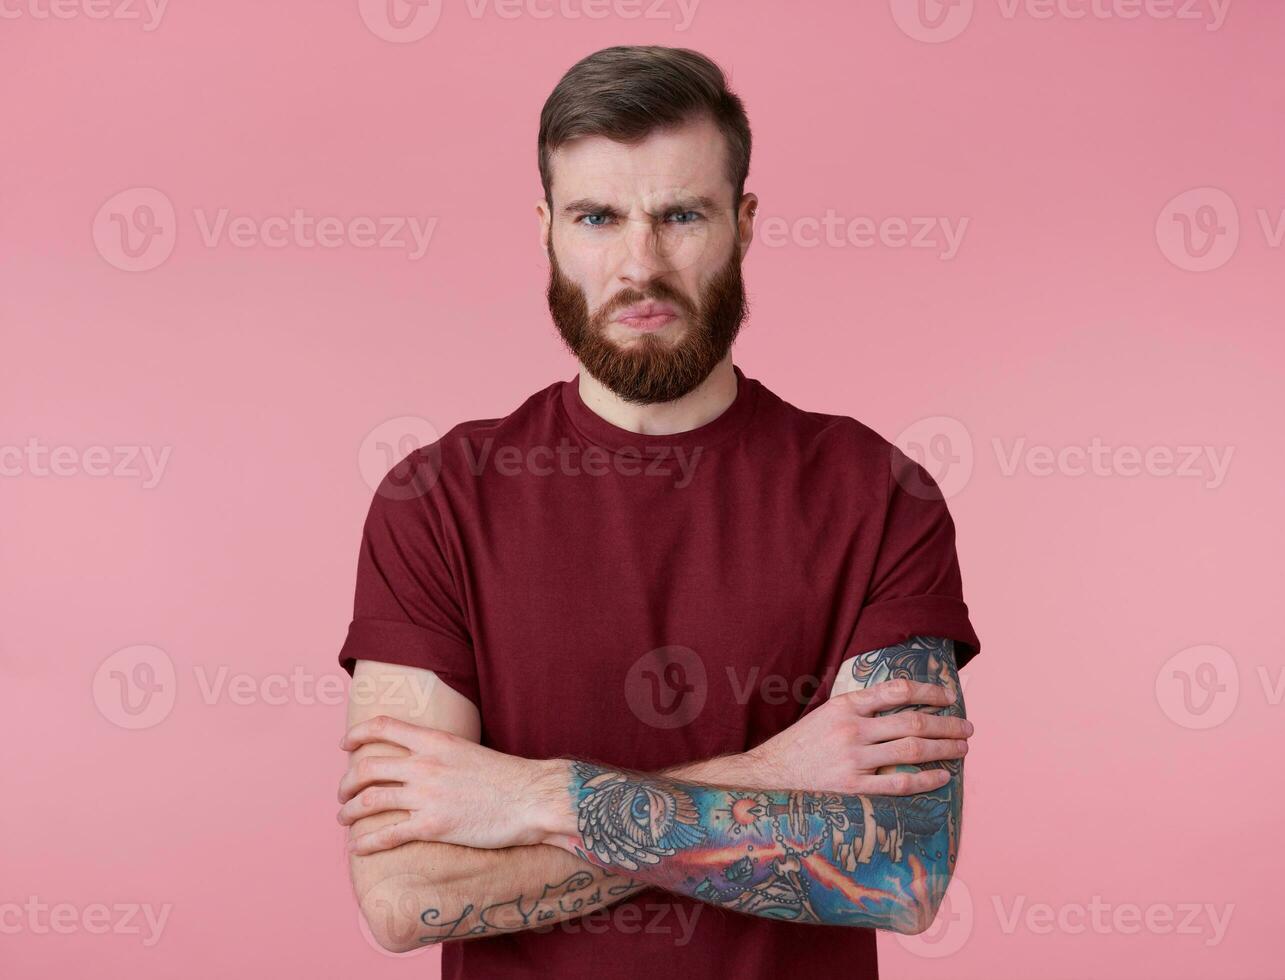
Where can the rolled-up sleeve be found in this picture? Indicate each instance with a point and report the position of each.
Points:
(406, 607)
(916, 588)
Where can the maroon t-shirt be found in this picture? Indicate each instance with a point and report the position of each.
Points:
(648, 600)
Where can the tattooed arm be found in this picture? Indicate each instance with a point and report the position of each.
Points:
(813, 857)
(425, 892)
(844, 854)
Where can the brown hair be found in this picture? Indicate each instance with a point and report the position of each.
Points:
(625, 93)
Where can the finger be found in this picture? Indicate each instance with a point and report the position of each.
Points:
(370, 770)
(879, 697)
(377, 799)
(913, 751)
(383, 839)
(922, 724)
(902, 783)
(383, 728)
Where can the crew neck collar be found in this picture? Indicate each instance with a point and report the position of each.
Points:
(718, 429)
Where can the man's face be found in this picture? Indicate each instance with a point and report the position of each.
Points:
(645, 251)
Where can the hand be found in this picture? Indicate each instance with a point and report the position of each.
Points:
(843, 746)
(452, 790)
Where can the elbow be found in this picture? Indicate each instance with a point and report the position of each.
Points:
(917, 918)
(909, 915)
(909, 907)
(394, 921)
(917, 911)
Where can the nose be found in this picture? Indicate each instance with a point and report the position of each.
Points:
(644, 256)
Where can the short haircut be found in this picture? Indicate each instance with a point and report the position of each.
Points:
(626, 93)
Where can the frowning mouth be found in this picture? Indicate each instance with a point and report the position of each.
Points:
(647, 316)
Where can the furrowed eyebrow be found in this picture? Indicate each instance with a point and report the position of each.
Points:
(699, 202)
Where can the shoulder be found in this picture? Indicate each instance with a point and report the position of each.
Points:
(454, 463)
(843, 451)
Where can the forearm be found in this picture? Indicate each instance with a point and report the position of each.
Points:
(429, 892)
(724, 770)
(426, 892)
(450, 893)
(874, 861)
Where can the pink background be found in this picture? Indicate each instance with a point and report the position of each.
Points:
(1103, 769)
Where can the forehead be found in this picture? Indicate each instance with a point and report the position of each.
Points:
(683, 160)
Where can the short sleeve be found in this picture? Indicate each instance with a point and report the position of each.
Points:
(916, 588)
(406, 609)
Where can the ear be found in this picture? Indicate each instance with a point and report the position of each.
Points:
(745, 221)
(543, 216)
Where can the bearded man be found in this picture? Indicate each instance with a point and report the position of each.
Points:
(658, 672)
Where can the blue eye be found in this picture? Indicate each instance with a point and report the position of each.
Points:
(603, 216)
(696, 216)
(640, 809)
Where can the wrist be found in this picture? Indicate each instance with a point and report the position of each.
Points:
(551, 815)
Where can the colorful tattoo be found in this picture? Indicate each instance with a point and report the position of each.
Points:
(874, 861)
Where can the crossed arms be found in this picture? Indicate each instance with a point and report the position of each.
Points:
(851, 816)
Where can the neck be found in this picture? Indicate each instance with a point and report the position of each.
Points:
(704, 403)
